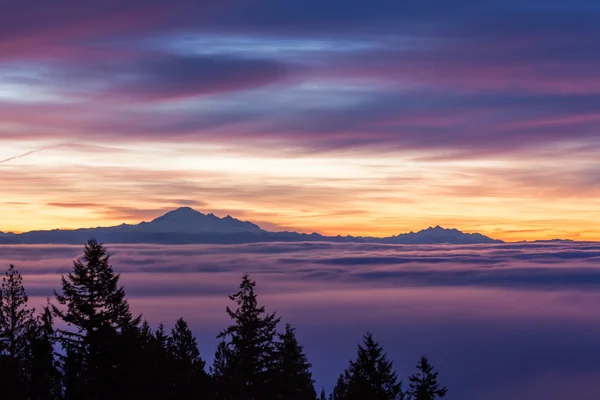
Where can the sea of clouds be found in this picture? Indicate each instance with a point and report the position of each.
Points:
(516, 321)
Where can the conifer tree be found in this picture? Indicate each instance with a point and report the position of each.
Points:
(251, 347)
(16, 323)
(220, 372)
(43, 373)
(323, 396)
(161, 381)
(188, 367)
(424, 384)
(295, 378)
(16, 319)
(96, 310)
(133, 347)
(340, 390)
(370, 376)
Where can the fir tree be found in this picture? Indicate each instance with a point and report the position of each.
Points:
(371, 376)
(323, 396)
(220, 372)
(43, 373)
(161, 381)
(424, 384)
(16, 319)
(95, 307)
(134, 349)
(295, 378)
(16, 323)
(340, 390)
(188, 367)
(251, 347)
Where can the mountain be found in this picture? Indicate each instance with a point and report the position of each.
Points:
(187, 220)
(439, 235)
(548, 241)
(187, 226)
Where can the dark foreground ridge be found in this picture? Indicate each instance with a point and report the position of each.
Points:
(107, 353)
(187, 226)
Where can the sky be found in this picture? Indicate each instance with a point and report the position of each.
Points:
(363, 118)
(508, 321)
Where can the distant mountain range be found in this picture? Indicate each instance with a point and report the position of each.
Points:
(186, 226)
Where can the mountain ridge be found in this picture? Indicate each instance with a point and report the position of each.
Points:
(185, 225)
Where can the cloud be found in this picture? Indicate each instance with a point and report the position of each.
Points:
(540, 267)
(168, 76)
(483, 323)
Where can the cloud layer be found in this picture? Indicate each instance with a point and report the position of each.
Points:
(497, 319)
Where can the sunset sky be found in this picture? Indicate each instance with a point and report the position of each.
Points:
(340, 117)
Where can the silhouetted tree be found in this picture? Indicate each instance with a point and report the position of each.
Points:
(251, 348)
(159, 379)
(424, 384)
(163, 361)
(323, 396)
(188, 368)
(17, 321)
(371, 376)
(295, 378)
(43, 373)
(220, 372)
(95, 307)
(134, 363)
(340, 390)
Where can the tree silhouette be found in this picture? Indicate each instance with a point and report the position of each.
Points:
(16, 319)
(251, 348)
(221, 372)
(160, 379)
(295, 378)
(340, 390)
(424, 384)
(94, 305)
(16, 323)
(43, 373)
(370, 376)
(323, 396)
(188, 367)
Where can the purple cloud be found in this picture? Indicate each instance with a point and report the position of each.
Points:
(487, 315)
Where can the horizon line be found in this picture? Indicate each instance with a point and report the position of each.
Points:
(294, 231)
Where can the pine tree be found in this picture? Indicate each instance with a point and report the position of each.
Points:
(323, 396)
(16, 323)
(43, 373)
(251, 349)
(161, 381)
(295, 378)
(340, 390)
(220, 373)
(188, 367)
(371, 376)
(16, 319)
(134, 347)
(95, 307)
(424, 384)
